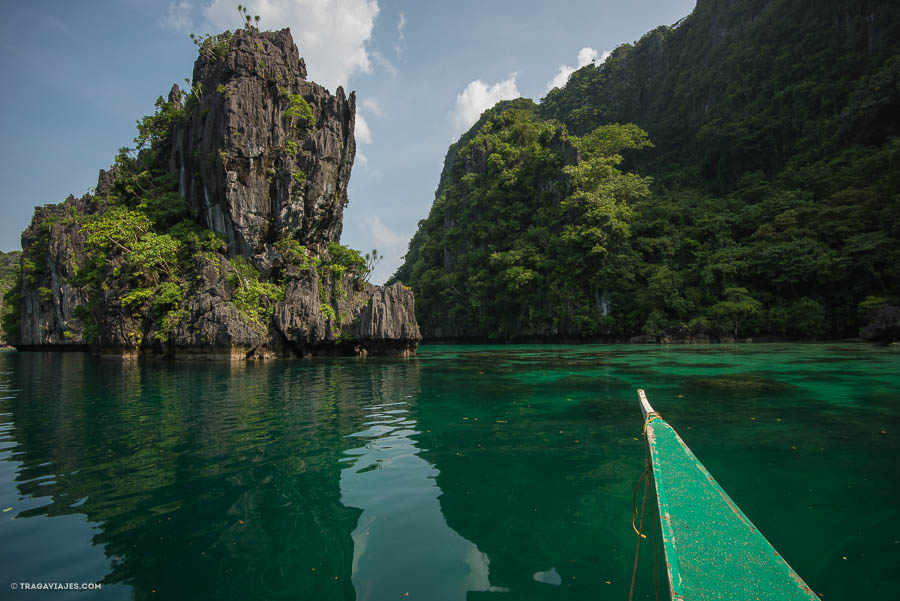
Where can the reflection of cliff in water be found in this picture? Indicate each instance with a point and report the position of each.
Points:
(540, 480)
(403, 546)
(203, 481)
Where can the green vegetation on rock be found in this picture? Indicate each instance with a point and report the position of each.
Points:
(529, 228)
(132, 269)
(10, 286)
(773, 175)
(253, 297)
(298, 113)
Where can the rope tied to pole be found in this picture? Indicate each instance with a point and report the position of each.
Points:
(634, 503)
(645, 477)
(650, 417)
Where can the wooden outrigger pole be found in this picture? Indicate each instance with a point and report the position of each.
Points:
(712, 549)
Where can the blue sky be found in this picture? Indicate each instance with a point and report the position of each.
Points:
(77, 75)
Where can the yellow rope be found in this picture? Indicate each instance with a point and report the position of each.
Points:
(650, 417)
(634, 503)
(637, 551)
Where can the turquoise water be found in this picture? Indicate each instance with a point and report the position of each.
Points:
(465, 472)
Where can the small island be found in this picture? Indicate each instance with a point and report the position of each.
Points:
(218, 235)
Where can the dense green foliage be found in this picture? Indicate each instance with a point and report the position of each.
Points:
(746, 86)
(142, 236)
(30, 267)
(521, 239)
(10, 283)
(775, 199)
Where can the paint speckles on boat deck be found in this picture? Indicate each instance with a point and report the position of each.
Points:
(713, 551)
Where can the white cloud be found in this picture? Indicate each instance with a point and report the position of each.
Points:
(400, 44)
(586, 56)
(371, 105)
(561, 78)
(361, 131)
(383, 63)
(362, 159)
(385, 239)
(177, 17)
(390, 245)
(332, 35)
(478, 97)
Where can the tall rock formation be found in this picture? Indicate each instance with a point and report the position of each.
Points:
(53, 249)
(268, 154)
(258, 155)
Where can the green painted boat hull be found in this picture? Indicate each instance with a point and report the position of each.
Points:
(712, 550)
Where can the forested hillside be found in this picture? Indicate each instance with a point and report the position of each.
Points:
(763, 200)
(9, 263)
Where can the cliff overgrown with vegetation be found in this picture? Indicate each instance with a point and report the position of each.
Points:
(9, 276)
(767, 201)
(217, 235)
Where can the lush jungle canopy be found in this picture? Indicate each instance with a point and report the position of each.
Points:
(735, 174)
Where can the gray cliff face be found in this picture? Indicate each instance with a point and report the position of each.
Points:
(261, 156)
(388, 315)
(250, 167)
(373, 319)
(53, 247)
(213, 328)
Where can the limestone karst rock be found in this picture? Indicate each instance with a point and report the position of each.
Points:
(261, 156)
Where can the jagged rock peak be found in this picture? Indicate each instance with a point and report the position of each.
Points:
(175, 96)
(238, 53)
(265, 155)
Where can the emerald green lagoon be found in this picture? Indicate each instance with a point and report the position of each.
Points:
(464, 472)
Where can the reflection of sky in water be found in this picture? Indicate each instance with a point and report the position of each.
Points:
(402, 544)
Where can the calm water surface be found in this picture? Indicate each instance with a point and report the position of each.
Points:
(465, 472)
